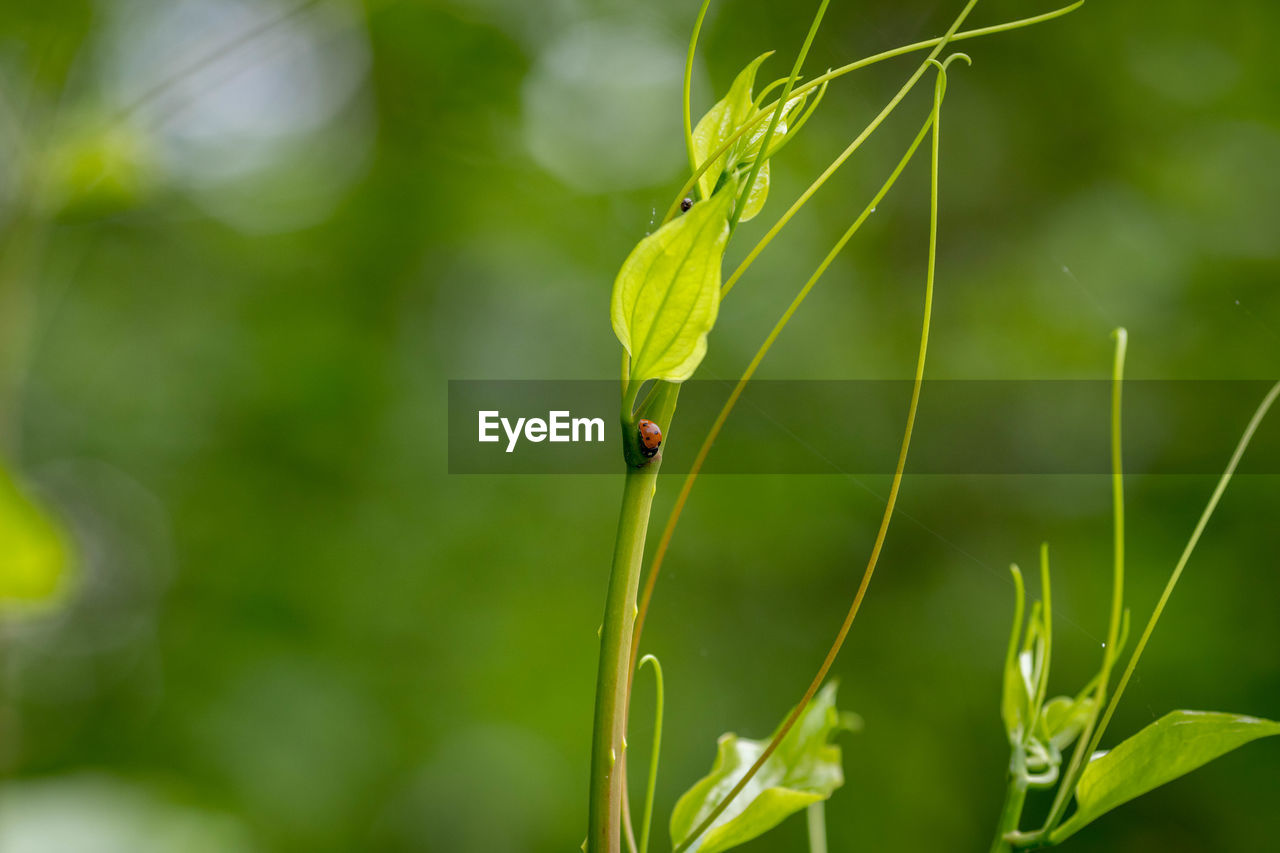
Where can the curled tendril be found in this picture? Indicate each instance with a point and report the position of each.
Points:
(647, 817)
(775, 117)
(800, 122)
(942, 70)
(841, 71)
(781, 81)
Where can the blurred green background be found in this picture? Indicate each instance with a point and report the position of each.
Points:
(238, 271)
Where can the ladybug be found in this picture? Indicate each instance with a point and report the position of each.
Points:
(650, 438)
(685, 204)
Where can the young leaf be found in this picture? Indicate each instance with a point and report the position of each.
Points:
(667, 294)
(756, 135)
(720, 123)
(804, 769)
(1062, 719)
(1013, 695)
(755, 197)
(1172, 746)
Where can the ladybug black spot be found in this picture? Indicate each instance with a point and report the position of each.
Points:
(685, 204)
(650, 437)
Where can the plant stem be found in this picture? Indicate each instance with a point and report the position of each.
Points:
(1014, 799)
(607, 746)
(1081, 754)
(816, 816)
(608, 742)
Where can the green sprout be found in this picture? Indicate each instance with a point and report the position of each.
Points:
(665, 303)
(1038, 731)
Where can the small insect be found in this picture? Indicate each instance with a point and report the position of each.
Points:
(650, 437)
(685, 204)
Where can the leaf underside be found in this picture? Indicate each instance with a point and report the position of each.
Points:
(805, 769)
(1172, 746)
(721, 122)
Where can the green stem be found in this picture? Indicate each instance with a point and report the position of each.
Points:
(608, 743)
(1082, 751)
(615, 653)
(1014, 800)
(816, 817)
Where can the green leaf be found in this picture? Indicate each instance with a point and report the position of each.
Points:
(1015, 703)
(667, 294)
(756, 136)
(1013, 694)
(1024, 668)
(725, 119)
(34, 556)
(720, 123)
(759, 192)
(1063, 718)
(1172, 746)
(803, 770)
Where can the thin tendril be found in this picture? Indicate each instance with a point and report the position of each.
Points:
(939, 90)
(1246, 437)
(647, 819)
(763, 154)
(1080, 755)
(1209, 509)
(687, 487)
(922, 45)
(846, 154)
(628, 831)
(760, 96)
(665, 541)
(854, 66)
(1046, 595)
(688, 85)
(800, 122)
(1019, 613)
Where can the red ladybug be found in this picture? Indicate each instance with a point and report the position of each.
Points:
(650, 437)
